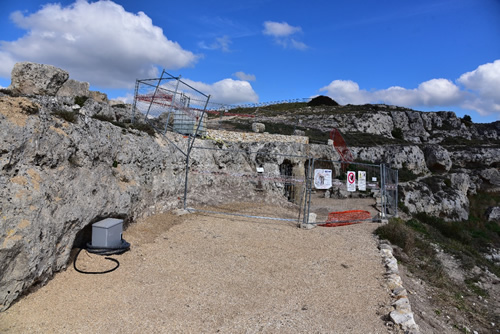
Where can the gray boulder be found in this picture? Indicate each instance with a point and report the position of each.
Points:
(297, 132)
(434, 197)
(258, 127)
(37, 79)
(492, 176)
(493, 213)
(93, 107)
(74, 88)
(437, 158)
(409, 157)
(98, 96)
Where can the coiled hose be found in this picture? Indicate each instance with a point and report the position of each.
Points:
(125, 246)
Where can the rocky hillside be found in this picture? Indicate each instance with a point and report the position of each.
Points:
(442, 159)
(69, 157)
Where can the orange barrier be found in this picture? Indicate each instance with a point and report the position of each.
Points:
(342, 218)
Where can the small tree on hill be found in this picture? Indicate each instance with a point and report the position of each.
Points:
(322, 101)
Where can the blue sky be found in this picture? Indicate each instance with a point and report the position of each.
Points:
(426, 55)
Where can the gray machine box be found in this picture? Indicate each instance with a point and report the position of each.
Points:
(107, 233)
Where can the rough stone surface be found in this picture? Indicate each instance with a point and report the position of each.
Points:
(436, 198)
(402, 314)
(98, 96)
(409, 157)
(74, 88)
(493, 213)
(258, 127)
(437, 158)
(92, 107)
(250, 137)
(297, 132)
(36, 79)
(492, 176)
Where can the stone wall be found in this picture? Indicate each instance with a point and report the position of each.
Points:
(252, 137)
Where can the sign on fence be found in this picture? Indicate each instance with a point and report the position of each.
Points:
(361, 180)
(322, 178)
(351, 181)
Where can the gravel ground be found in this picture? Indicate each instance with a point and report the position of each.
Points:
(207, 273)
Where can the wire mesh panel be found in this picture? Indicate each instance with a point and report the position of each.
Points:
(390, 191)
(168, 103)
(343, 193)
(262, 183)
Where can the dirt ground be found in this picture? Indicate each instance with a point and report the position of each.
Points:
(209, 273)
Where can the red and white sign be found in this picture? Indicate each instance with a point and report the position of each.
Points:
(351, 181)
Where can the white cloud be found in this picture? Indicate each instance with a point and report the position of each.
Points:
(282, 33)
(483, 83)
(98, 42)
(435, 92)
(298, 45)
(481, 92)
(221, 43)
(227, 91)
(346, 92)
(279, 29)
(245, 77)
(128, 98)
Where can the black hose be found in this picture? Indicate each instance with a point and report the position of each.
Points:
(125, 246)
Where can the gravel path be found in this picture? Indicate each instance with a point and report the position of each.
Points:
(207, 273)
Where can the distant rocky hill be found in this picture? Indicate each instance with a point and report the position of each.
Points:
(70, 157)
(442, 158)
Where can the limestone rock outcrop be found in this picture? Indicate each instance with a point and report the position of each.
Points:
(437, 158)
(493, 213)
(410, 157)
(437, 196)
(58, 176)
(258, 127)
(36, 79)
(74, 88)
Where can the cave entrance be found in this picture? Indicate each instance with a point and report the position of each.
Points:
(286, 171)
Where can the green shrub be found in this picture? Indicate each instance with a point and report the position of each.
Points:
(80, 100)
(398, 234)
(467, 120)
(31, 109)
(403, 207)
(322, 101)
(144, 127)
(9, 92)
(69, 116)
(405, 175)
(397, 133)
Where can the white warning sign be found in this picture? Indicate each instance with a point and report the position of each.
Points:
(322, 178)
(351, 181)
(361, 180)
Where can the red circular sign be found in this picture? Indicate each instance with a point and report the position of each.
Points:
(351, 177)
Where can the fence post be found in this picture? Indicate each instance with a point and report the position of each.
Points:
(396, 193)
(172, 105)
(305, 218)
(136, 93)
(382, 190)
